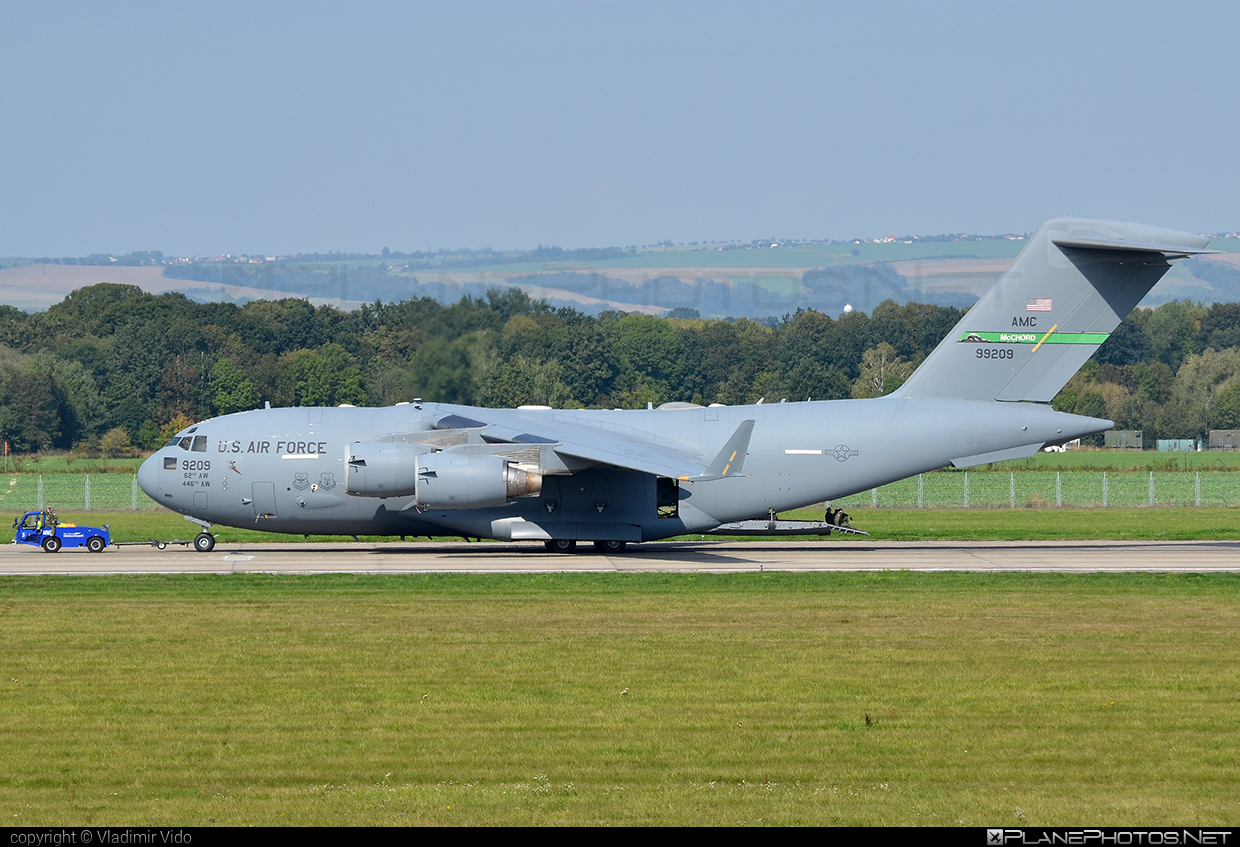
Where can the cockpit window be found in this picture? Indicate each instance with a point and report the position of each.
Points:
(183, 440)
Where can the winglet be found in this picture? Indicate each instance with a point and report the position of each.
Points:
(731, 459)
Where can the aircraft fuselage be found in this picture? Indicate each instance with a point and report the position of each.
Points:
(287, 470)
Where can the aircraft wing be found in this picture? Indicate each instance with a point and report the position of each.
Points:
(638, 455)
(628, 451)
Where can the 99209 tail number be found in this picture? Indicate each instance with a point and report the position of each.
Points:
(995, 352)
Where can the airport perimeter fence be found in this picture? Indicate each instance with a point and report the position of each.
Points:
(943, 490)
(108, 492)
(1053, 489)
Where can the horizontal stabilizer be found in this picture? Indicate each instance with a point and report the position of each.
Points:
(1169, 250)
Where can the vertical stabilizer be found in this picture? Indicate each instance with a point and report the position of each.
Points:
(1066, 292)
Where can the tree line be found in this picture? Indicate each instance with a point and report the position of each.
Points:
(1172, 371)
(112, 364)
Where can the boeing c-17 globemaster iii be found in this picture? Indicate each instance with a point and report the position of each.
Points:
(615, 477)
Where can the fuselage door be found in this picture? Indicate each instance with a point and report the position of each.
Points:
(264, 499)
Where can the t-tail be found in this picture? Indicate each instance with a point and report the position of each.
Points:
(1064, 295)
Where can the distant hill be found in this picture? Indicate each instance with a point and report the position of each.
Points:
(762, 279)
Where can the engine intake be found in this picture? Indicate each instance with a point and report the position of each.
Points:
(382, 470)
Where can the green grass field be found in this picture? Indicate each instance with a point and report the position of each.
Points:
(984, 700)
(59, 463)
(1017, 699)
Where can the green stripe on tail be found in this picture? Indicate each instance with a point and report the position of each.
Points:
(1035, 337)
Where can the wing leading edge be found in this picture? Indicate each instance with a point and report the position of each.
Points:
(631, 453)
(576, 443)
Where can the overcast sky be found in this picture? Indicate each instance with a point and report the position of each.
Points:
(270, 128)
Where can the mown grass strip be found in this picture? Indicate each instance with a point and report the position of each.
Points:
(898, 698)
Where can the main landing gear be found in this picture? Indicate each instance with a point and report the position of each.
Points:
(838, 517)
(568, 545)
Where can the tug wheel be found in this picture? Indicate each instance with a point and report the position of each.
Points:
(51, 544)
(95, 544)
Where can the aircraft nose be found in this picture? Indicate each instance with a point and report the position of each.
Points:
(148, 476)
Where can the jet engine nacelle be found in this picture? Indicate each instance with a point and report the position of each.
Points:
(383, 470)
(438, 480)
(462, 481)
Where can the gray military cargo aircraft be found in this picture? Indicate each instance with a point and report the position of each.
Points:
(614, 477)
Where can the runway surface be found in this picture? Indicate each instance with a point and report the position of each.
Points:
(714, 556)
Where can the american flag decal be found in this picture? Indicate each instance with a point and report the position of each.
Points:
(1041, 304)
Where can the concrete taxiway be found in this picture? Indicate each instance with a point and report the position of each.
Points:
(712, 556)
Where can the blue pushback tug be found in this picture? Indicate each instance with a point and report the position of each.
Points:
(42, 529)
